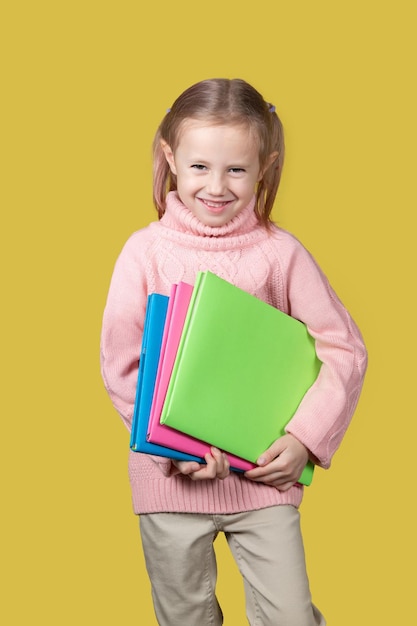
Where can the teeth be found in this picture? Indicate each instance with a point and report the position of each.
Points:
(214, 204)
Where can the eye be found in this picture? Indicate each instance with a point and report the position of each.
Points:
(237, 170)
(198, 166)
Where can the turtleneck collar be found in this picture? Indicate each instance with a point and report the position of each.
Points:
(177, 217)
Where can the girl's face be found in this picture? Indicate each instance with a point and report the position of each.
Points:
(217, 168)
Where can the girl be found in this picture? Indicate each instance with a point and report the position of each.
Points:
(218, 157)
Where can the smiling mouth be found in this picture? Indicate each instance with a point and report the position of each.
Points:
(215, 206)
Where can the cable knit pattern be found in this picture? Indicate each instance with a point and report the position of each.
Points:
(273, 266)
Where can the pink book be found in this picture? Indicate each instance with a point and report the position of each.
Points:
(160, 433)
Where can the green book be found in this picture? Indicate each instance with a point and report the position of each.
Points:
(241, 370)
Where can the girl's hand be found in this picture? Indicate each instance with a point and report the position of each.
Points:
(217, 466)
(282, 464)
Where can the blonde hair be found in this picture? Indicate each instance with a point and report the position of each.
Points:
(223, 101)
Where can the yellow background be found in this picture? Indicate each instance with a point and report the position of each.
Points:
(84, 86)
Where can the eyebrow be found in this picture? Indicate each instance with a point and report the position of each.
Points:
(242, 164)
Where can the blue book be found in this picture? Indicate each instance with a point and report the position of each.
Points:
(156, 310)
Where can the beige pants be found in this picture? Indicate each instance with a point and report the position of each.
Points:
(267, 547)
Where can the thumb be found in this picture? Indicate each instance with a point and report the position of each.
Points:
(272, 452)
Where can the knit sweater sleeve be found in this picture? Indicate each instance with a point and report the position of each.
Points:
(122, 329)
(327, 408)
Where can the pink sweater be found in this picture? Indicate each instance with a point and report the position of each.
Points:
(276, 268)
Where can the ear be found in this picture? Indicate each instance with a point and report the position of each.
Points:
(270, 160)
(169, 155)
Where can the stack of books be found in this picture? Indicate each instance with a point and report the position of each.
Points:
(219, 367)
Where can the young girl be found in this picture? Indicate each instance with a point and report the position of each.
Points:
(218, 157)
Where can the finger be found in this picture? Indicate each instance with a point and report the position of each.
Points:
(281, 479)
(272, 452)
(223, 465)
(268, 479)
(225, 471)
(262, 471)
(275, 471)
(205, 471)
(188, 467)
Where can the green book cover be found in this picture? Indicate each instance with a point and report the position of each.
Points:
(241, 370)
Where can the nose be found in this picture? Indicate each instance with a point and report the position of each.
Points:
(216, 184)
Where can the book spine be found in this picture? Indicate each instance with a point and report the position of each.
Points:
(200, 278)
